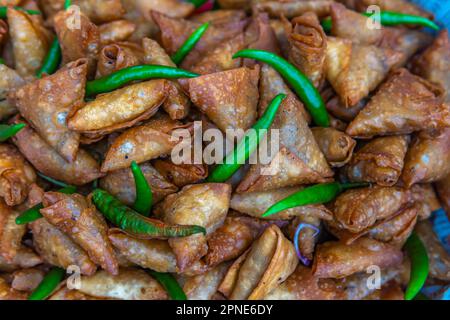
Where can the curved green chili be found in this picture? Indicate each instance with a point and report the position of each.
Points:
(33, 213)
(197, 3)
(67, 4)
(132, 222)
(390, 18)
(141, 72)
(8, 131)
(319, 193)
(419, 265)
(48, 284)
(189, 44)
(299, 82)
(170, 284)
(4, 9)
(54, 181)
(144, 196)
(52, 59)
(235, 159)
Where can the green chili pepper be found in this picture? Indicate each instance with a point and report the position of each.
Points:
(141, 72)
(235, 159)
(132, 222)
(389, 18)
(419, 265)
(8, 131)
(2, 61)
(170, 284)
(144, 196)
(197, 3)
(67, 4)
(48, 284)
(299, 82)
(33, 213)
(52, 59)
(4, 9)
(54, 181)
(189, 44)
(319, 193)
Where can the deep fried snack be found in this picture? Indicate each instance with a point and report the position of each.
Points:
(379, 161)
(81, 221)
(204, 205)
(269, 262)
(338, 260)
(58, 249)
(336, 146)
(428, 158)
(228, 98)
(77, 42)
(47, 104)
(308, 44)
(16, 175)
(29, 41)
(45, 159)
(141, 143)
(434, 63)
(357, 209)
(403, 104)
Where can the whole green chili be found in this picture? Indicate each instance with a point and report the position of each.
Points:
(170, 284)
(390, 18)
(141, 72)
(54, 181)
(8, 131)
(419, 265)
(33, 213)
(52, 59)
(189, 44)
(132, 222)
(299, 82)
(2, 61)
(235, 159)
(144, 196)
(319, 193)
(197, 3)
(48, 284)
(4, 9)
